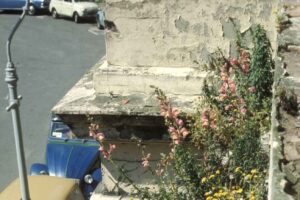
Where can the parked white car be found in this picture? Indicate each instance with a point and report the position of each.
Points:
(76, 9)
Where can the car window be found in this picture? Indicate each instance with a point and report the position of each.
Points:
(60, 130)
(63, 131)
(69, 1)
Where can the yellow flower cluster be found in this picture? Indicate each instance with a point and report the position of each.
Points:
(221, 194)
(252, 175)
(212, 176)
(252, 196)
(233, 193)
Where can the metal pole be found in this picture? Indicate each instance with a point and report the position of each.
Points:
(11, 79)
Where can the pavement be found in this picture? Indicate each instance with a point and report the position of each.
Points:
(48, 61)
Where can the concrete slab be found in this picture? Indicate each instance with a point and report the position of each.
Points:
(86, 98)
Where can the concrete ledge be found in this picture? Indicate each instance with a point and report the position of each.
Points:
(125, 91)
(122, 80)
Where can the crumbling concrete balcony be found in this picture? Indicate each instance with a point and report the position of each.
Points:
(161, 43)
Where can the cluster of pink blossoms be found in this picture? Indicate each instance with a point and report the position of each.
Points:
(243, 63)
(100, 137)
(228, 86)
(208, 119)
(145, 159)
(177, 130)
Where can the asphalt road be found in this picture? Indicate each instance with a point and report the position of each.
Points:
(50, 57)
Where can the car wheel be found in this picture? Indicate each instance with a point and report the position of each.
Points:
(76, 18)
(31, 10)
(54, 13)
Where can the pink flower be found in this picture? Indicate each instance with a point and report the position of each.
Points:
(175, 112)
(245, 68)
(204, 118)
(205, 124)
(231, 86)
(222, 89)
(234, 61)
(145, 162)
(244, 55)
(174, 136)
(179, 122)
(163, 113)
(252, 89)
(243, 110)
(111, 148)
(100, 137)
(231, 119)
(185, 133)
(101, 148)
(105, 153)
(228, 107)
(177, 142)
(224, 77)
(171, 129)
(169, 114)
(213, 125)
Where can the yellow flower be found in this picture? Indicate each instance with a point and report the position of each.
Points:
(248, 176)
(224, 194)
(238, 169)
(211, 176)
(207, 193)
(204, 180)
(239, 191)
(209, 198)
(217, 194)
(253, 171)
(218, 172)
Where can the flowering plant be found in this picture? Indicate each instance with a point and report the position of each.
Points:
(216, 153)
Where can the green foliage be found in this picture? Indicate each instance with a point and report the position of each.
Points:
(261, 65)
(247, 150)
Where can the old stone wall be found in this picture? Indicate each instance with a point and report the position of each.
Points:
(179, 33)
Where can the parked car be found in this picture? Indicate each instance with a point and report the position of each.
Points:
(100, 19)
(44, 188)
(71, 155)
(76, 9)
(19, 4)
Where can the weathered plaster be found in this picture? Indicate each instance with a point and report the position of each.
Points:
(164, 33)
